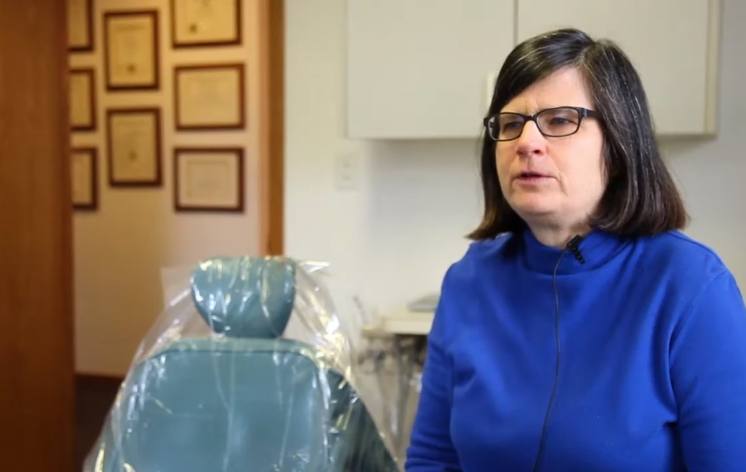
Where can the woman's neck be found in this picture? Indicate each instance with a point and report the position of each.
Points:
(558, 236)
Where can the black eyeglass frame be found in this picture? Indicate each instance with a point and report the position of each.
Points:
(582, 114)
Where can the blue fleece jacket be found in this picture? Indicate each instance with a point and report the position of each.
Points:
(632, 361)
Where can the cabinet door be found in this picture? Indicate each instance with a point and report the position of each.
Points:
(419, 68)
(672, 43)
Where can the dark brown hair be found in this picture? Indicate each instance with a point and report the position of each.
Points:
(640, 196)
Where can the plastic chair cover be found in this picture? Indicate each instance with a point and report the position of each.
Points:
(247, 369)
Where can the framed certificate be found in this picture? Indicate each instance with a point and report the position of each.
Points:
(205, 23)
(134, 146)
(80, 25)
(84, 174)
(82, 99)
(131, 50)
(208, 179)
(209, 96)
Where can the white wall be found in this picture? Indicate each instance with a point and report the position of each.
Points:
(711, 173)
(120, 249)
(392, 237)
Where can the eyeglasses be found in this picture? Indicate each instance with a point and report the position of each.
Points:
(551, 122)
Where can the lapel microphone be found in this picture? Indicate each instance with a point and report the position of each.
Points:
(574, 247)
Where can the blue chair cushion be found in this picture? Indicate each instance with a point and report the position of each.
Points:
(246, 296)
(235, 405)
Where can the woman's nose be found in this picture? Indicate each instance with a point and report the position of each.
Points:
(531, 141)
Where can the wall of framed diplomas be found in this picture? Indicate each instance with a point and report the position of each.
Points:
(170, 153)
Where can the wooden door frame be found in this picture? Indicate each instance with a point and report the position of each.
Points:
(36, 292)
(272, 113)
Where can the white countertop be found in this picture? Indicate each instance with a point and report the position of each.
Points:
(404, 322)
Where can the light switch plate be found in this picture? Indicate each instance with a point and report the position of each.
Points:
(346, 170)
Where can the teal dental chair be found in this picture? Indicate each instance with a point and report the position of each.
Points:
(241, 399)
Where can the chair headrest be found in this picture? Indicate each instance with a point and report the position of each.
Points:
(245, 296)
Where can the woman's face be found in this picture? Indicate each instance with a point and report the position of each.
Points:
(553, 181)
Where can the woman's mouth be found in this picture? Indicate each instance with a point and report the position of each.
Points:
(531, 177)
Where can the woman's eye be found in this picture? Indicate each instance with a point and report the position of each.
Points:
(559, 120)
(511, 125)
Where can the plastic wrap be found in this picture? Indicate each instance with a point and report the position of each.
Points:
(247, 369)
(389, 369)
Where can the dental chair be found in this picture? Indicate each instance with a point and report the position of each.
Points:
(240, 397)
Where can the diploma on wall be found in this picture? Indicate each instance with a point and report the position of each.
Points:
(131, 52)
(206, 22)
(82, 102)
(79, 25)
(209, 96)
(208, 179)
(134, 147)
(83, 171)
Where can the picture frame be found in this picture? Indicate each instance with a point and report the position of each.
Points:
(84, 178)
(131, 57)
(82, 99)
(134, 147)
(209, 96)
(198, 23)
(80, 25)
(209, 179)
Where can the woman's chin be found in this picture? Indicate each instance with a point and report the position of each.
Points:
(531, 209)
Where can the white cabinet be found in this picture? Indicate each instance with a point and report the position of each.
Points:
(419, 68)
(672, 43)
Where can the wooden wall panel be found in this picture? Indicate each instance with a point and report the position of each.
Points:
(36, 357)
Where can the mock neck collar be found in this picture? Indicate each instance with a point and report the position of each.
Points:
(596, 247)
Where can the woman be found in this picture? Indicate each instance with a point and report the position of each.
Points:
(581, 331)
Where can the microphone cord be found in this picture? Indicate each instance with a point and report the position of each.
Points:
(573, 247)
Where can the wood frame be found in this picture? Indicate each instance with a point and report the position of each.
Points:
(176, 43)
(178, 159)
(113, 181)
(275, 117)
(37, 277)
(87, 46)
(90, 72)
(153, 51)
(240, 99)
(92, 152)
